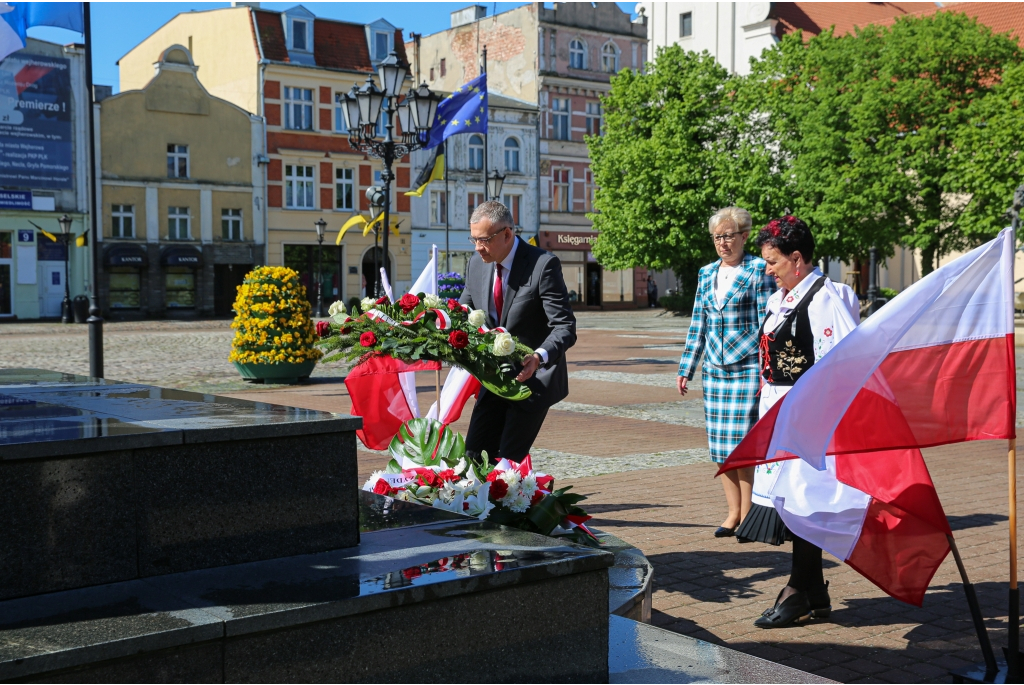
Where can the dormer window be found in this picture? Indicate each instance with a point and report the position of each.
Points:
(300, 35)
(381, 45)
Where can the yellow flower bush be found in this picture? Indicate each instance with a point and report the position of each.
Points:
(272, 323)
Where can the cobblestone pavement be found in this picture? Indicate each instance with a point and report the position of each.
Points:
(625, 439)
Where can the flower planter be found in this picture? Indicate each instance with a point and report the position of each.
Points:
(281, 372)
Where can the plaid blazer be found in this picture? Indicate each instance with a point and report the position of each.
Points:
(727, 334)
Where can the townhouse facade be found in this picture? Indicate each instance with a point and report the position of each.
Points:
(561, 59)
(44, 174)
(291, 68)
(182, 196)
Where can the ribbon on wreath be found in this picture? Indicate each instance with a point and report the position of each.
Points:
(444, 321)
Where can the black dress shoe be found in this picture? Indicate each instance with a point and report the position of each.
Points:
(724, 532)
(795, 609)
(821, 603)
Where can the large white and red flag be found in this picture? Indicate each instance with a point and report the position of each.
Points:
(934, 366)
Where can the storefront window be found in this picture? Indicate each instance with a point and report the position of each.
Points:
(124, 287)
(6, 307)
(179, 287)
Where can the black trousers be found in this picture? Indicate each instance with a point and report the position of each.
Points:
(806, 573)
(502, 428)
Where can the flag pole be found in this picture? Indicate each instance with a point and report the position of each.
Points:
(991, 668)
(1013, 615)
(486, 127)
(447, 223)
(95, 320)
(437, 389)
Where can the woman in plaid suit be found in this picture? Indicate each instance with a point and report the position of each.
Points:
(732, 294)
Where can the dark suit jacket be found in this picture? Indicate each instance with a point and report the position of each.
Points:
(536, 310)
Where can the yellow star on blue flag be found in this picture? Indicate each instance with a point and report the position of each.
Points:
(466, 109)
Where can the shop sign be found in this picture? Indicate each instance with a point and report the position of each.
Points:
(125, 255)
(35, 122)
(15, 199)
(182, 256)
(562, 240)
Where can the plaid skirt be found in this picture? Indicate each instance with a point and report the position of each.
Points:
(730, 405)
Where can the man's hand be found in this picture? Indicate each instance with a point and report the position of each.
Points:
(681, 384)
(531, 363)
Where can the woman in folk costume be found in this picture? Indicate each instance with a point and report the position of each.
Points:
(731, 297)
(806, 317)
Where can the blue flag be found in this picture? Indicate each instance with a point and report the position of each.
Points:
(17, 17)
(464, 111)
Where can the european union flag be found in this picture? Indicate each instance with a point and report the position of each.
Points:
(464, 111)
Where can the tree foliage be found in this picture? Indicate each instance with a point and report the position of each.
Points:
(900, 135)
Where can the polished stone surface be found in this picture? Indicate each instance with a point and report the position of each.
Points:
(380, 513)
(630, 593)
(103, 482)
(641, 653)
(461, 578)
(46, 413)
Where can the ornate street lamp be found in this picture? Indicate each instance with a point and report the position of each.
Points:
(65, 236)
(362, 108)
(494, 183)
(321, 226)
(375, 196)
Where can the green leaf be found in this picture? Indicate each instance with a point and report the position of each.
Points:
(427, 442)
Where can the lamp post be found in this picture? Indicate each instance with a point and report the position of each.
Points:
(494, 183)
(375, 196)
(65, 236)
(321, 225)
(364, 106)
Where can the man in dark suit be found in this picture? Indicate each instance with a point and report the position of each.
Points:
(521, 289)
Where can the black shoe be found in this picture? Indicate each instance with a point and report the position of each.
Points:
(724, 532)
(795, 609)
(821, 603)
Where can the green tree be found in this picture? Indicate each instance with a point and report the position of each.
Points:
(661, 168)
(867, 127)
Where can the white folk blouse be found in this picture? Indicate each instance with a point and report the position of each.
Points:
(828, 326)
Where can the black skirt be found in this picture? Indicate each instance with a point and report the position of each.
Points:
(763, 524)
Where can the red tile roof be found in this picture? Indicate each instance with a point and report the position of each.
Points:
(336, 44)
(815, 17)
(1001, 17)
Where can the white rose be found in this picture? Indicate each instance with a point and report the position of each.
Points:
(504, 345)
(338, 307)
(432, 301)
(477, 318)
(367, 303)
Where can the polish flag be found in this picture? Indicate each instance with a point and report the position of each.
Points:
(383, 391)
(456, 391)
(935, 366)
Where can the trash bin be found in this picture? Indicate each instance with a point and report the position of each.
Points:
(80, 305)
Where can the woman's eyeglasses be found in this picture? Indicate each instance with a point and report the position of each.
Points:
(725, 237)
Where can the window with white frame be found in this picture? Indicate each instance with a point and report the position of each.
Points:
(561, 190)
(685, 24)
(178, 223)
(122, 221)
(588, 190)
(177, 161)
(610, 58)
(299, 192)
(511, 154)
(345, 188)
(339, 113)
(512, 202)
(381, 44)
(476, 152)
(231, 224)
(560, 118)
(577, 54)
(298, 108)
(300, 35)
(438, 207)
(593, 118)
(474, 201)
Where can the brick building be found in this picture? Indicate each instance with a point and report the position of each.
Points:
(560, 59)
(291, 68)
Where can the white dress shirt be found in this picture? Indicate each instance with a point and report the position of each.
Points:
(506, 268)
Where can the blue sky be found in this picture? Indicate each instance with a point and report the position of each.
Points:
(119, 26)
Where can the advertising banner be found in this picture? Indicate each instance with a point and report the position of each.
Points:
(35, 122)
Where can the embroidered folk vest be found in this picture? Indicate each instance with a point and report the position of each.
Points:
(788, 351)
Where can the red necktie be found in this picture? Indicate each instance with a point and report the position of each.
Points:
(499, 295)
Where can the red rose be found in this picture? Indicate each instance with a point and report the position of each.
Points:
(458, 339)
(408, 302)
(454, 306)
(492, 476)
(537, 496)
(412, 572)
(499, 489)
(381, 487)
(345, 330)
(428, 478)
(381, 300)
(447, 475)
(368, 339)
(323, 329)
